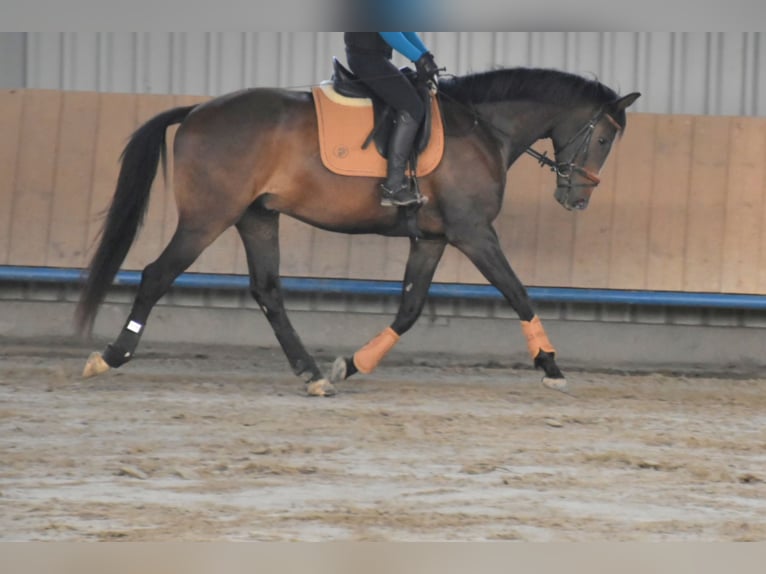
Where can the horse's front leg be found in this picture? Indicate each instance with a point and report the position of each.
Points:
(421, 265)
(480, 244)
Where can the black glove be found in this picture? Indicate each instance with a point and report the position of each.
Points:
(426, 68)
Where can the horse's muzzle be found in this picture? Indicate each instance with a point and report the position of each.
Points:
(573, 198)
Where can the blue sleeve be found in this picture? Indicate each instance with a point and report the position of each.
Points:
(416, 41)
(399, 42)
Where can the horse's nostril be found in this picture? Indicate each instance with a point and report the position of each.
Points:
(580, 204)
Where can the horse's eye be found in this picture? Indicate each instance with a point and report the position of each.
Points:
(602, 141)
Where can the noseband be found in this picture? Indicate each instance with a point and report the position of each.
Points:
(566, 169)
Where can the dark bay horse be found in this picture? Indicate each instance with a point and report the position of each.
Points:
(245, 158)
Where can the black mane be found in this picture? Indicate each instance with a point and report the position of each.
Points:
(536, 84)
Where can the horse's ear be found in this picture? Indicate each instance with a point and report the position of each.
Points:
(626, 101)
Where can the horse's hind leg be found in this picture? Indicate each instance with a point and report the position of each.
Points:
(421, 264)
(156, 279)
(481, 246)
(259, 230)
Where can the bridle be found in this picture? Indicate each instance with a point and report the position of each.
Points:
(566, 169)
(563, 169)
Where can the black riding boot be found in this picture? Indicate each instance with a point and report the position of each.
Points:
(397, 189)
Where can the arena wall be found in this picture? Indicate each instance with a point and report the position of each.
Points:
(680, 209)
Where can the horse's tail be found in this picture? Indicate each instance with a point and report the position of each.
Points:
(139, 162)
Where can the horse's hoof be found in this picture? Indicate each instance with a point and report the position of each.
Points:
(558, 384)
(339, 371)
(320, 388)
(96, 365)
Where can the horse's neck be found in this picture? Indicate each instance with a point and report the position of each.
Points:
(519, 124)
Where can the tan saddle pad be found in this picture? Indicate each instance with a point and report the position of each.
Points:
(345, 123)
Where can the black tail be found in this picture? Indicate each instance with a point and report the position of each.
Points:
(140, 160)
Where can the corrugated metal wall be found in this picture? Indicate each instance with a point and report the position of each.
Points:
(708, 73)
(12, 51)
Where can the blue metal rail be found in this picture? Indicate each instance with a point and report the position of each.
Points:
(393, 288)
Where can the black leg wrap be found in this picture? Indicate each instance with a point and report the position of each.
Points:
(121, 351)
(547, 362)
(350, 366)
(115, 356)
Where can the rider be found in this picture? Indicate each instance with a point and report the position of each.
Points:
(369, 56)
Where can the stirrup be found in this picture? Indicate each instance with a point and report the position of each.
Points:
(405, 195)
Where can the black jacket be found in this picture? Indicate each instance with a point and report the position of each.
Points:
(367, 42)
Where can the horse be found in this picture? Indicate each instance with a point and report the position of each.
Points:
(245, 158)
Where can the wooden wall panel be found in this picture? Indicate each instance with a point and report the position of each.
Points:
(555, 232)
(11, 112)
(397, 249)
(630, 216)
(330, 255)
(296, 239)
(116, 121)
(38, 154)
(448, 270)
(592, 231)
(682, 204)
(669, 202)
(366, 259)
(761, 288)
(744, 206)
(706, 213)
(72, 181)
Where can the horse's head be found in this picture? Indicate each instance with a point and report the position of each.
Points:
(582, 143)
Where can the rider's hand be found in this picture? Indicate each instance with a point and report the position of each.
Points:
(426, 68)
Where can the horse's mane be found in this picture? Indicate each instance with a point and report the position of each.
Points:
(535, 84)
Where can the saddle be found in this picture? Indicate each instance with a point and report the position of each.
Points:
(350, 118)
(347, 84)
